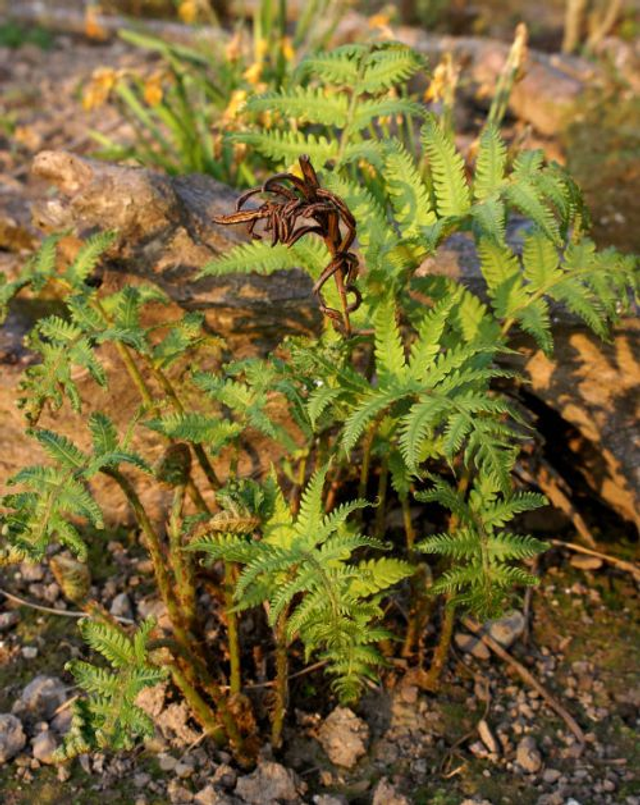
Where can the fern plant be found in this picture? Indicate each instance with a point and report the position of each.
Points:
(109, 717)
(409, 410)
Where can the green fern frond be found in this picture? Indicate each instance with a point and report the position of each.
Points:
(286, 146)
(88, 257)
(304, 104)
(407, 191)
(260, 257)
(490, 164)
(447, 170)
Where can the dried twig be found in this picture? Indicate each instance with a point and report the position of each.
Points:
(51, 611)
(527, 677)
(629, 567)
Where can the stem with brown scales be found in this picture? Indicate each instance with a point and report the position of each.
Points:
(230, 577)
(281, 681)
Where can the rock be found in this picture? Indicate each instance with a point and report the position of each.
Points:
(551, 776)
(592, 384)
(8, 620)
(583, 562)
(121, 606)
(174, 726)
(151, 699)
(12, 737)
(167, 762)
(487, 737)
(225, 776)
(209, 796)
(29, 652)
(62, 722)
(528, 756)
(178, 794)
(344, 737)
(508, 629)
(471, 645)
(328, 799)
(270, 782)
(31, 572)
(43, 747)
(385, 794)
(41, 697)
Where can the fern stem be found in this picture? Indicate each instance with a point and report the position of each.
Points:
(148, 399)
(181, 561)
(281, 681)
(366, 460)
(154, 546)
(382, 498)
(417, 606)
(230, 576)
(297, 488)
(432, 679)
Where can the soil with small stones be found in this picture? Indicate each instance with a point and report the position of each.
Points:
(484, 737)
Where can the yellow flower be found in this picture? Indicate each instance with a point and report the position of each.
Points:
(152, 92)
(379, 21)
(253, 73)
(103, 80)
(287, 49)
(444, 82)
(262, 48)
(237, 101)
(188, 11)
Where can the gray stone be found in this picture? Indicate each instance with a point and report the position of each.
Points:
(551, 776)
(43, 747)
(121, 606)
(471, 645)
(528, 756)
(41, 697)
(29, 652)
(8, 620)
(508, 629)
(344, 737)
(385, 794)
(62, 722)
(12, 737)
(268, 783)
(328, 799)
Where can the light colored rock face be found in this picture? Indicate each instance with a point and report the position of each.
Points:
(269, 783)
(121, 606)
(12, 737)
(471, 645)
(344, 737)
(595, 386)
(41, 697)
(508, 629)
(43, 747)
(528, 756)
(386, 794)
